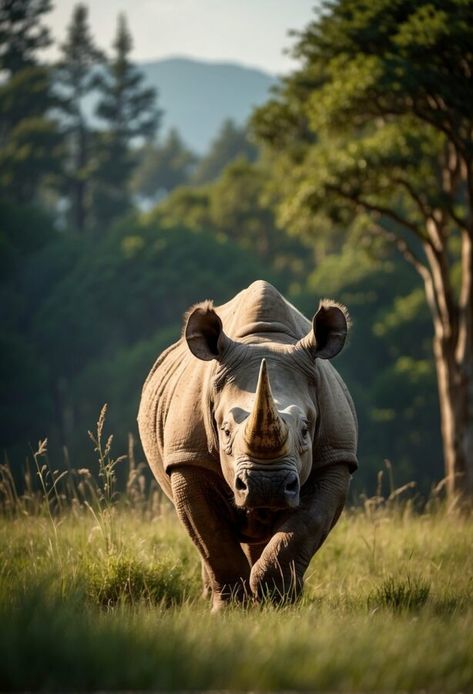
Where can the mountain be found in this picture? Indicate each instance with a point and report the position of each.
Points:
(197, 96)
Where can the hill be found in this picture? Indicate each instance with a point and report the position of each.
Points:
(197, 96)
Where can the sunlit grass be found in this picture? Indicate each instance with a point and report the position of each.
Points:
(388, 605)
(104, 592)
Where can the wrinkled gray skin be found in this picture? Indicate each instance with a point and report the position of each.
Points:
(239, 426)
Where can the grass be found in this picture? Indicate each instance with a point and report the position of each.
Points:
(103, 592)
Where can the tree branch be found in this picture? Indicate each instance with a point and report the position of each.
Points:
(386, 211)
(465, 328)
(404, 248)
(407, 253)
(459, 221)
(424, 210)
(447, 308)
(435, 276)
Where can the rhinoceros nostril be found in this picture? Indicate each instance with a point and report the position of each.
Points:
(240, 485)
(292, 485)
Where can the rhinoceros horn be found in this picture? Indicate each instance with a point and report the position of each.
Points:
(265, 432)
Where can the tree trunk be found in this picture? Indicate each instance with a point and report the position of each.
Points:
(455, 383)
(453, 352)
(79, 220)
(80, 184)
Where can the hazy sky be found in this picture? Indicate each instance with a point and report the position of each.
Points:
(251, 32)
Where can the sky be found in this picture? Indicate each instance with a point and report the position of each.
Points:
(250, 32)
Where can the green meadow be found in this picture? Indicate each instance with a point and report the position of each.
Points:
(102, 591)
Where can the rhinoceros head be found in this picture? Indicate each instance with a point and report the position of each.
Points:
(263, 404)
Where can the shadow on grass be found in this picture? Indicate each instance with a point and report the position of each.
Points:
(52, 643)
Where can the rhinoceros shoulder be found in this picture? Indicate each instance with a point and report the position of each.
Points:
(337, 435)
(172, 416)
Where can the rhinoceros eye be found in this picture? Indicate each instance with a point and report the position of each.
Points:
(227, 438)
(226, 431)
(305, 430)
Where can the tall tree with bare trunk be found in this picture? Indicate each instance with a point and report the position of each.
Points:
(76, 73)
(376, 130)
(129, 115)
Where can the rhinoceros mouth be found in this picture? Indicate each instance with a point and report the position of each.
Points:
(266, 487)
(267, 466)
(257, 525)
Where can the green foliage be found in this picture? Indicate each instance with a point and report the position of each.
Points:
(387, 362)
(128, 111)
(23, 229)
(126, 106)
(162, 168)
(79, 57)
(22, 33)
(26, 407)
(75, 78)
(366, 124)
(30, 141)
(94, 314)
(231, 143)
(186, 206)
(237, 208)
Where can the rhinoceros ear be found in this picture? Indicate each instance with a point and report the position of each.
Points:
(329, 330)
(204, 333)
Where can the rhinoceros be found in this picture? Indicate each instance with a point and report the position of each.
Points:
(252, 434)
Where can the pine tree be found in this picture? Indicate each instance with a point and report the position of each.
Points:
(163, 167)
(29, 137)
(21, 33)
(230, 144)
(128, 111)
(76, 79)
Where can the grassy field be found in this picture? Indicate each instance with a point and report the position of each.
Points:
(99, 593)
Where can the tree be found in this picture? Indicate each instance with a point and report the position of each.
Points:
(128, 111)
(22, 33)
(187, 207)
(375, 129)
(29, 137)
(388, 367)
(76, 79)
(242, 211)
(231, 143)
(68, 343)
(161, 168)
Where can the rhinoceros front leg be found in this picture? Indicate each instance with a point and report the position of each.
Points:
(202, 504)
(279, 572)
(206, 585)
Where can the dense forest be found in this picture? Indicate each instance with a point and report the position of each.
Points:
(110, 231)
